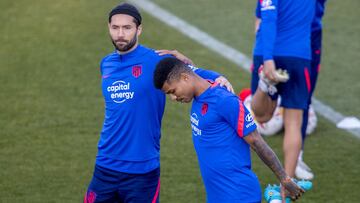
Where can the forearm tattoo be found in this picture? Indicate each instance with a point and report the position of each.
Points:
(267, 155)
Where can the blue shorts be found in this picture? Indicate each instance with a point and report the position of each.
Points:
(295, 92)
(316, 38)
(108, 186)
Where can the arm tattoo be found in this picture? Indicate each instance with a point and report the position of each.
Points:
(266, 154)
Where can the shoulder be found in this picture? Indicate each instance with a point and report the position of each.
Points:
(224, 97)
(108, 60)
(149, 52)
(110, 57)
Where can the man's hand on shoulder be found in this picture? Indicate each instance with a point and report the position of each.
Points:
(176, 54)
(224, 82)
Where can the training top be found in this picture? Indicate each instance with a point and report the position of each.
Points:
(284, 28)
(219, 121)
(319, 13)
(130, 137)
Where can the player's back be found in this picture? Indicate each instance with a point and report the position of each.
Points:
(294, 21)
(289, 22)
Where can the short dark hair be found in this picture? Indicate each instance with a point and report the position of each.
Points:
(169, 69)
(128, 9)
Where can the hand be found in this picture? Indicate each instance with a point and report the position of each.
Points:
(291, 189)
(270, 71)
(175, 53)
(224, 82)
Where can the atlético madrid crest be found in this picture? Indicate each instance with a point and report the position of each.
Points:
(137, 71)
(204, 108)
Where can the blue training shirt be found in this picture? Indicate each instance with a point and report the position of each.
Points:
(284, 28)
(130, 137)
(319, 13)
(219, 121)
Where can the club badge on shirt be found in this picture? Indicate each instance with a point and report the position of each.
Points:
(204, 108)
(137, 71)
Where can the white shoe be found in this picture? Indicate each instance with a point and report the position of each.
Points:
(303, 165)
(303, 171)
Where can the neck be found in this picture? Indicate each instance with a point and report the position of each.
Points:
(200, 85)
(128, 51)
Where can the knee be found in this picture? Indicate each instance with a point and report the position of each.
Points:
(263, 118)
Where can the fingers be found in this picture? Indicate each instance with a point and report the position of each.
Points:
(270, 74)
(269, 70)
(176, 54)
(224, 82)
(294, 191)
(283, 195)
(296, 197)
(227, 85)
(187, 61)
(162, 52)
(230, 88)
(299, 193)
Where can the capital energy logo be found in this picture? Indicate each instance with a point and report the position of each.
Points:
(120, 91)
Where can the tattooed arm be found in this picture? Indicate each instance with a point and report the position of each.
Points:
(267, 155)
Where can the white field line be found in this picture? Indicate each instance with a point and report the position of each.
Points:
(226, 51)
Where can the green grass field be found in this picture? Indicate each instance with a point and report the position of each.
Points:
(52, 109)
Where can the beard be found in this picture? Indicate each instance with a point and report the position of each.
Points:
(127, 46)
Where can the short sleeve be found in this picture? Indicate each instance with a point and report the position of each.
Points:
(237, 115)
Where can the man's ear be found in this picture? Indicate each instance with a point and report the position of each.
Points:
(139, 30)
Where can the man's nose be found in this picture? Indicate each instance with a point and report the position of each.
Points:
(120, 33)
